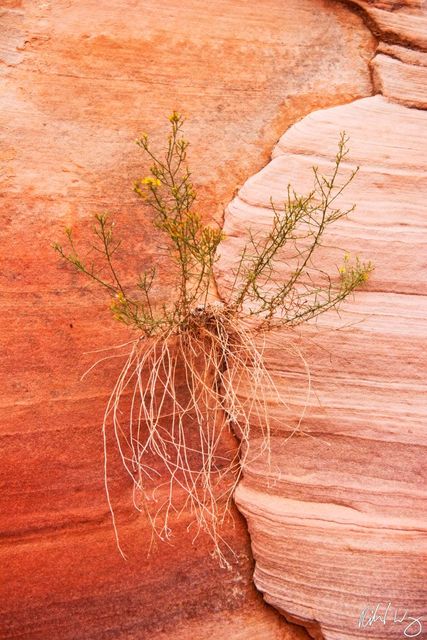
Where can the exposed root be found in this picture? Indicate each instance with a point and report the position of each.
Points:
(186, 421)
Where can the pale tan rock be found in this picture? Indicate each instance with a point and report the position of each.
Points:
(341, 511)
(338, 520)
(401, 22)
(405, 83)
(401, 73)
(405, 54)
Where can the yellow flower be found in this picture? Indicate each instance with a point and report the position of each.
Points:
(174, 117)
(150, 181)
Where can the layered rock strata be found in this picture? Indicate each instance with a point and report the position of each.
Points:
(338, 519)
(80, 81)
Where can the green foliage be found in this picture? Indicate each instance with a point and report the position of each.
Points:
(192, 244)
(297, 230)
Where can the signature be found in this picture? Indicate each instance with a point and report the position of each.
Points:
(388, 613)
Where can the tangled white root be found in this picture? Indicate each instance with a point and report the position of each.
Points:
(186, 422)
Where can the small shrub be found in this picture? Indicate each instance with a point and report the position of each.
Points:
(189, 357)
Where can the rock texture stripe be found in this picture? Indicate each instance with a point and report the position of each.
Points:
(338, 519)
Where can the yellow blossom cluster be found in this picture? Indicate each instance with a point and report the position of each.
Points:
(118, 305)
(150, 181)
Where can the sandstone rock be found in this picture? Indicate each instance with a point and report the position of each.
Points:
(397, 21)
(338, 519)
(405, 83)
(79, 83)
(401, 73)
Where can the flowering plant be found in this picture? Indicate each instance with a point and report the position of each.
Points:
(204, 342)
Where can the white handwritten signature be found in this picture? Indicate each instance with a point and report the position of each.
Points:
(370, 615)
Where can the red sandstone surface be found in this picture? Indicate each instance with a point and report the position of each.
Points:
(79, 83)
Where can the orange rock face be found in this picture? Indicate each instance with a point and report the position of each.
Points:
(338, 518)
(79, 83)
